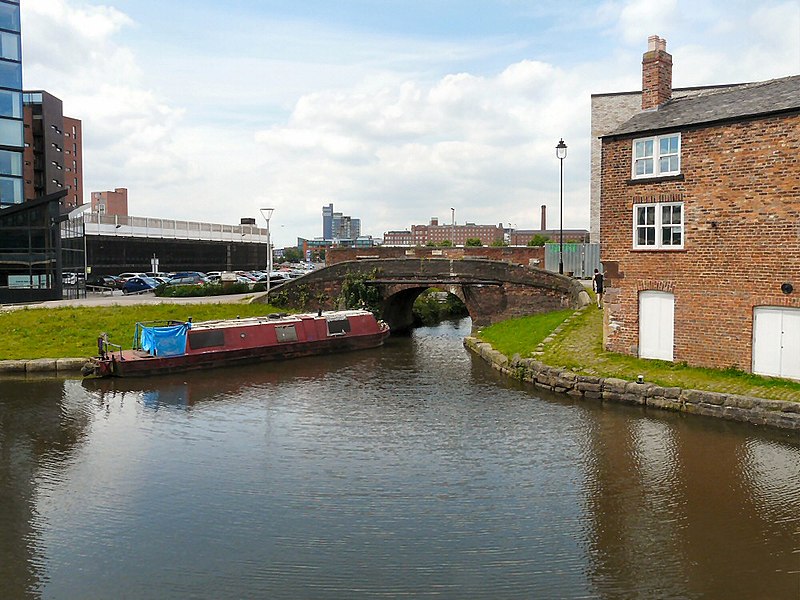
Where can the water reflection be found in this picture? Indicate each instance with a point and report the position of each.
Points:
(414, 470)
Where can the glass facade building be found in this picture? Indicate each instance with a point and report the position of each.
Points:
(11, 117)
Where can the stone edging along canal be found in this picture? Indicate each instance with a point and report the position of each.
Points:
(759, 411)
(42, 365)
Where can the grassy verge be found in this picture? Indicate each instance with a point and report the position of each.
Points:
(579, 347)
(521, 336)
(72, 332)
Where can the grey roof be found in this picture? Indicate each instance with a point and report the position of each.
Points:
(748, 100)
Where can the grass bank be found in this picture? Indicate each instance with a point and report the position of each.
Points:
(30, 333)
(579, 347)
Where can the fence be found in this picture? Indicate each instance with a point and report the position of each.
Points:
(580, 260)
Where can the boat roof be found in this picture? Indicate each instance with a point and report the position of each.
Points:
(331, 315)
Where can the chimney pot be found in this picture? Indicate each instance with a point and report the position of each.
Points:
(656, 73)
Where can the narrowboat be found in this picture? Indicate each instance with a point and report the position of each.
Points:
(171, 346)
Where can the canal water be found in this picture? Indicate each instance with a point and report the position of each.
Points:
(412, 471)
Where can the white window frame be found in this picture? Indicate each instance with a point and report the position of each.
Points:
(656, 155)
(661, 223)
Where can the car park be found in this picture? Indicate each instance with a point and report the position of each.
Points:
(136, 285)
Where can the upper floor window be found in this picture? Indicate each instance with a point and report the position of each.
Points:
(657, 156)
(658, 225)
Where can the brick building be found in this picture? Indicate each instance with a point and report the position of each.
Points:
(610, 111)
(111, 203)
(434, 233)
(700, 224)
(53, 156)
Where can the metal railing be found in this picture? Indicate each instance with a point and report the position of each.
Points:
(147, 227)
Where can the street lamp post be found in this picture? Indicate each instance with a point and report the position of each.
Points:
(453, 221)
(267, 214)
(561, 154)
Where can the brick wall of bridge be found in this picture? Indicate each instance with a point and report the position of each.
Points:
(515, 255)
(493, 291)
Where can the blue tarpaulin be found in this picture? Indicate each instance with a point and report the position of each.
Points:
(164, 340)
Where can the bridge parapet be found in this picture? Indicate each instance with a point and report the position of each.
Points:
(492, 290)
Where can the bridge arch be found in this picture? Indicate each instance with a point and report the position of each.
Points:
(491, 290)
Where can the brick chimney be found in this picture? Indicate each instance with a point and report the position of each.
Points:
(544, 217)
(656, 73)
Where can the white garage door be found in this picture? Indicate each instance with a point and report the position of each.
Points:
(656, 324)
(776, 341)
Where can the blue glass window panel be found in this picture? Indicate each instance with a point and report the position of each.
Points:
(10, 163)
(9, 17)
(644, 166)
(9, 45)
(10, 190)
(11, 133)
(10, 104)
(668, 145)
(644, 148)
(668, 164)
(10, 75)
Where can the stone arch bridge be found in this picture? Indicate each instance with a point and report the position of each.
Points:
(491, 290)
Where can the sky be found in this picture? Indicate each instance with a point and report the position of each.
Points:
(395, 111)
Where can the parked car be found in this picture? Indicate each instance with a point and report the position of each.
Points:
(188, 273)
(195, 279)
(69, 278)
(275, 278)
(126, 276)
(106, 281)
(139, 284)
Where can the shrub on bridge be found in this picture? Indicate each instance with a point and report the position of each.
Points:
(357, 294)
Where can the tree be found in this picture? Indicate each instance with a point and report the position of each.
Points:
(539, 240)
(292, 254)
(445, 244)
(473, 242)
(499, 242)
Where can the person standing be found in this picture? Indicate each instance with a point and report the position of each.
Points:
(597, 286)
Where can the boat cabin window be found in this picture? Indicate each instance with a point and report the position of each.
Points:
(286, 333)
(338, 326)
(206, 339)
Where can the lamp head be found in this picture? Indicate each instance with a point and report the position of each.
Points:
(267, 213)
(561, 149)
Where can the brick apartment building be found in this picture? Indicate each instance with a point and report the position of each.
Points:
(53, 155)
(435, 233)
(700, 224)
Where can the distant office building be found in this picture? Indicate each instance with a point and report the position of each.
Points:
(53, 153)
(337, 226)
(11, 123)
(111, 203)
(327, 222)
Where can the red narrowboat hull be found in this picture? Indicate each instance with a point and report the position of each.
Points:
(223, 343)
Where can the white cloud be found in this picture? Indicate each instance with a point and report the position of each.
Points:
(639, 19)
(386, 129)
